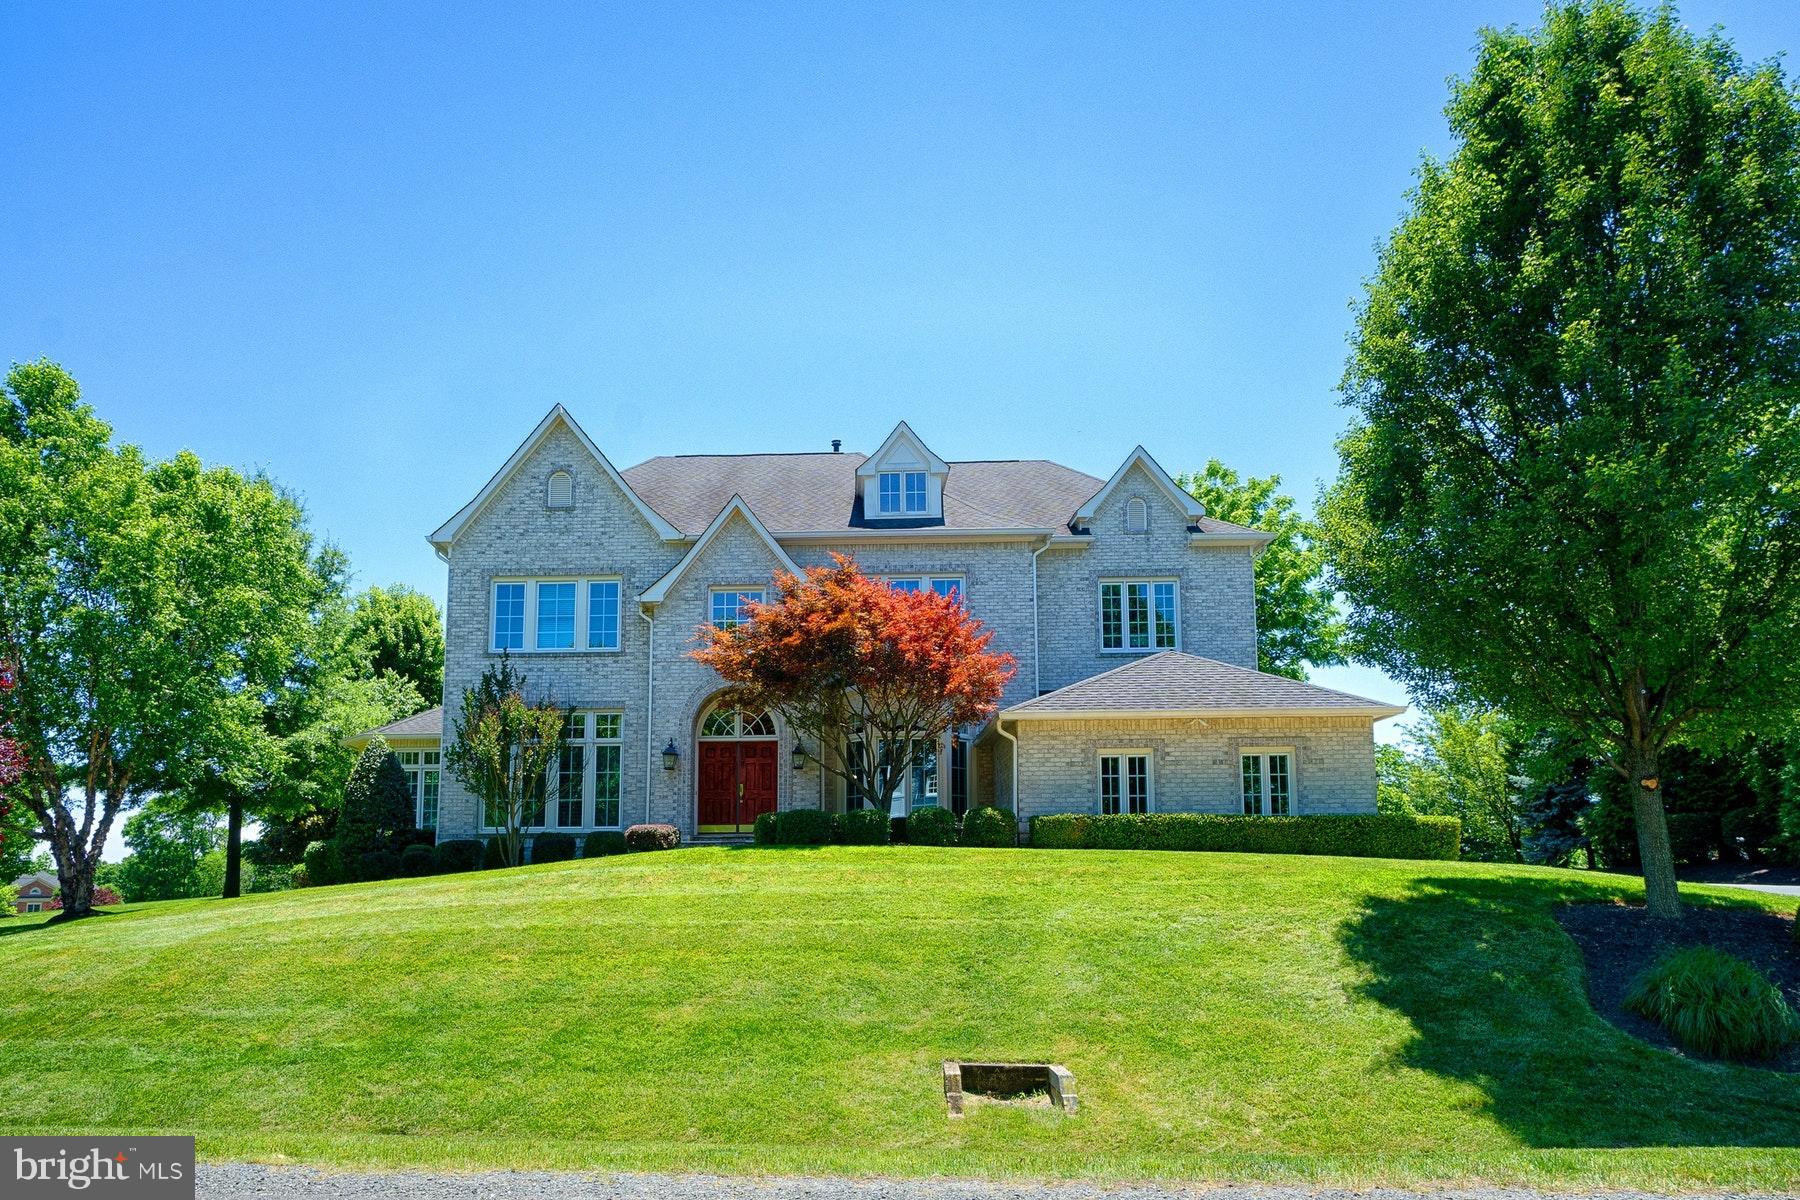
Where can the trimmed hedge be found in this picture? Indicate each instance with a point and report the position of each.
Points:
(802, 827)
(861, 827)
(763, 832)
(372, 866)
(458, 855)
(934, 826)
(989, 826)
(493, 856)
(603, 843)
(416, 860)
(321, 862)
(1355, 835)
(652, 837)
(552, 847)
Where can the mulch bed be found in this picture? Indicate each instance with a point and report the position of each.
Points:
(1618, 942)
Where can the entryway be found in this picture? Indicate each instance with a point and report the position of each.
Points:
(735, 782)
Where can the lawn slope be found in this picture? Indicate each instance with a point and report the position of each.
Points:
(787, 1011)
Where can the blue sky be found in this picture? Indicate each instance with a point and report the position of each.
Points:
(366, 251)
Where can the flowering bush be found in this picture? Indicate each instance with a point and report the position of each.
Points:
(652, 837)
(102, 895)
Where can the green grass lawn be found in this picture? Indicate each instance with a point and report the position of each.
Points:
(786, 1011)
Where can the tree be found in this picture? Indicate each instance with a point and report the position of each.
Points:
(836, 652)
(378, 808)
(501, 749)
(400, 632)
(1297, 620)
(1459, 763)
(1571, 488)
(167, 844)
(147, 609)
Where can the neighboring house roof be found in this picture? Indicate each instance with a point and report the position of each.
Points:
(420, 726)
(557, 416)
(656, 592)
(817, 493)
(1174, 684)
(42, 877)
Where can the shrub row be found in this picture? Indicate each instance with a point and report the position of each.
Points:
(871, 827)
(1355, 835)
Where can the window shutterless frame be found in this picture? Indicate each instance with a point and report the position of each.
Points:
(1125, 782)
(1139, 616)
(1266, 781)
(556, 614)
(726, 606)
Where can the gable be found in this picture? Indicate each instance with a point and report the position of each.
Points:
(558, 446)
(1140, 466)
(734, 549)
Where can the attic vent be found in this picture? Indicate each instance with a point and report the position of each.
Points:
(561, 490)
(1137, 516)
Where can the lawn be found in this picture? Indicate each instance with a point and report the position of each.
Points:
(786, 1011)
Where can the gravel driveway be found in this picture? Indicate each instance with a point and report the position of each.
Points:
(228, 1181)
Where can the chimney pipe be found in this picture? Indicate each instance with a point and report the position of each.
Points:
(837, 446)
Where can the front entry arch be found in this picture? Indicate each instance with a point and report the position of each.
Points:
(735, 780)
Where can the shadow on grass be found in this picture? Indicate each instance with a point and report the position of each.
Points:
(10, 927)
(1495, 993)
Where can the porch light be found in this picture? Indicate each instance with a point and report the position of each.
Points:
(799, 756)
(671, 756)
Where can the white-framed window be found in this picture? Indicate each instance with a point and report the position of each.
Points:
(557, 614)
(1267, 773)
(887, 491)
(914, 486)
(918, 788)
(34, 906)
(1139, 614)
(424, 778)
(559, 490)
(588, 778)
(943, 585)
(1126, 782)
(1137, 515)
(731, 606)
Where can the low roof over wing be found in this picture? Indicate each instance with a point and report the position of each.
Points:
(1174, 684)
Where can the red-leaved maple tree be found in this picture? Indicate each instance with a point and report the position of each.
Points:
(836, 653)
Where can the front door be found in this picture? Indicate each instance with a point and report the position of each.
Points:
(737, 784)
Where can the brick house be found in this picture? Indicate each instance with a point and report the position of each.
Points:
(1130, 611)
(35, 892)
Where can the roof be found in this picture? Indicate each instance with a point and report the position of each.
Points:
(34, 877)
(800, 493)
(427, 724)
(1174, 684)
(658, 591)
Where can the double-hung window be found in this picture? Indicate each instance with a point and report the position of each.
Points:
(532, 615)
(424, 774)
(1124, 782)
(1138, 614)
(887, 488)
(587, 772)
(943, 585)
(1268, 781)
(915, 491)
(915, 760)
(731, 606)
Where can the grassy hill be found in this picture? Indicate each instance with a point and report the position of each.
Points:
(787, 1010)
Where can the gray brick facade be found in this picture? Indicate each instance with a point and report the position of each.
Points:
(1056, 641)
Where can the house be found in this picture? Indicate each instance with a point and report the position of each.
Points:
(35, 892)
(1130, 612)
(417, 741)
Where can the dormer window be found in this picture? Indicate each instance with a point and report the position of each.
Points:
(915, 491)
(902, 492)
(903, 481)
(890, 493)
(559, 492)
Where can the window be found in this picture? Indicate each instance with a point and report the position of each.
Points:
(943, 585)
(730, 723)
(1124, 782)
(959, 774)
(564, 614)
(509, 616)
(603, 615)
(34, 906)
(424, 777)
(559, 492)
(584, 785)
(918, 783)
(1268, 783)
(1137, 515)
(555, 616)
(915, 491)
(888, 487)
(731, 606)
(1138, 614)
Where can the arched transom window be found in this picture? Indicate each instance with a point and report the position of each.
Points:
(730, 723)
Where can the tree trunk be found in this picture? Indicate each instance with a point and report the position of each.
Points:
(1661, 896)
(234, 847)
(75, 879)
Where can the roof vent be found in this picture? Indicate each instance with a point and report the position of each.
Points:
(560, 490)
(837, 445)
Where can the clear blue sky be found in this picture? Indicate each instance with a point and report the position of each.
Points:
(367, 250)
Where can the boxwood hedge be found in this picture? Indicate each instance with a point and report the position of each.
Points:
(1358, 835)
(861, 827)
(802, 827)
(763, 832)
(934, 826)
(989, 826)
(603, 842)
(552, 847)
(460, 854)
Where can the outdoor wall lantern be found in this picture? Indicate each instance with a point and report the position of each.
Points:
(671, 756)
(799, 756)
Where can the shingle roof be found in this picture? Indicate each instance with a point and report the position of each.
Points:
(791, 493)
(426, 724)
(1175, 683)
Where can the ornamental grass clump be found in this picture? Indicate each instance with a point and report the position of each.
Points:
(1715, 1004)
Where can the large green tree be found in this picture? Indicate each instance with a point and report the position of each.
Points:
(167, 844)
(1297, 621)
(149, 607)
(400, 632)
(1571, 489)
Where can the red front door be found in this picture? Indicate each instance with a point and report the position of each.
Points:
(736, 784)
